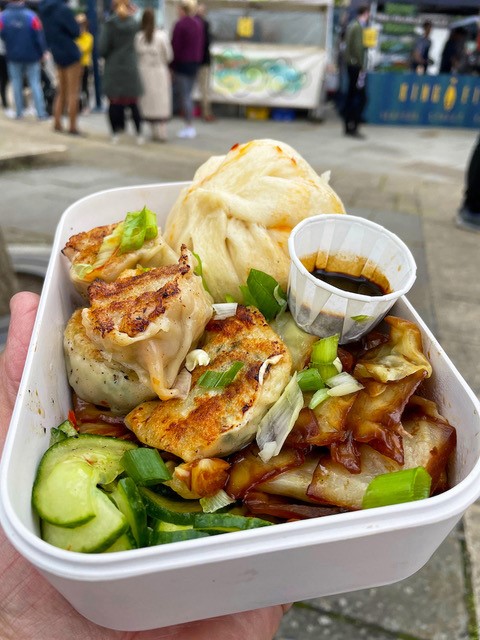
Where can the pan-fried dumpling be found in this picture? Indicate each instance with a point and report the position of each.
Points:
(149, 322)
(398, 358)
(97, 379)
(240, 209)
(96, 254)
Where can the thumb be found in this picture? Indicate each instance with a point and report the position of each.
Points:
(23, 307)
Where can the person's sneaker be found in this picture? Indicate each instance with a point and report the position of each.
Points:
(115, 139)
(187, 132)
(140, 140)
(467, 220)
(10, 113)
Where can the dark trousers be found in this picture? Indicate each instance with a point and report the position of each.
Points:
(3, 81)
(85, 92)
(355, 100)
(472, 191)
(116, 115)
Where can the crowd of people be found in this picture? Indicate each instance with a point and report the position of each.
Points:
(145, 72)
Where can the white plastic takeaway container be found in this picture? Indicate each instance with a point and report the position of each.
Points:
(190, 580)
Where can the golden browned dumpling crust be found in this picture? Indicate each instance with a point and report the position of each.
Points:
(149, 322)
(216, 422)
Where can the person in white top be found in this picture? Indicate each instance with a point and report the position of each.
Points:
(154, 53)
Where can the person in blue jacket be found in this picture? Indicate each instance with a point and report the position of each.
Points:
(61, 31)
(25, 46)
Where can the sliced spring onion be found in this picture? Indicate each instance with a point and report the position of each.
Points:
(397, 487)
(345, 388)
(266, 292)
(265, 365)
(224, 310)
(219, 379)
(196, 358)
(310, 380)
(198, 271)
(324, 351)
(145, 466)
(341, 378)
(221, 499)
(277, 423)
(151, 226)
(326, 370)
(248, 299)
(280, 297)
(135, 230)
(229, 298)
(318, 397)
(337, 363)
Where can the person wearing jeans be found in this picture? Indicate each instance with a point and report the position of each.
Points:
(25, 46)
(187, 46)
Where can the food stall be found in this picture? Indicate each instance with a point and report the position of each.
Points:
(399, 96)
(271, 53)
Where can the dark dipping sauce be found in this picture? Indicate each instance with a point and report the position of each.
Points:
(347, 282)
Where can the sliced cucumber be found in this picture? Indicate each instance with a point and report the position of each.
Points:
(124, 543)
(223, 522)
(160, 525)
(168, 510)
(66, 496)
(57, 499)
(128, 499)
(165, 537)
(97, 535)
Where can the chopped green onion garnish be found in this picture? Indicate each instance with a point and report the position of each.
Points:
(318, 398)
(248, 299)
(397, 487)
(219, 379)
(221, 499)
(229, 298)
(326, 370)
(310, 380)
(145, 466)
(151, 227)
(135, 230)
(266, 292)
(324, 351)
(277, 423)
(198, 271)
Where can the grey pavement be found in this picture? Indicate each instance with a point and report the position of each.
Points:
(408, 179)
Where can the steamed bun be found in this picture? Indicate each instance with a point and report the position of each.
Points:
(241, 208)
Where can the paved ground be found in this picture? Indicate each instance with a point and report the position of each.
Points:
(409, 180)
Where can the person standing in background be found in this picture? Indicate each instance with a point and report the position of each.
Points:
(154, 54)
(25, 46)
(187, 45)
(420, 54)
(355, 58)
(204, 73)
(85, 43)
(61, 31)
(4, 79)
(454, 51)
(121, 78)
(469, 214)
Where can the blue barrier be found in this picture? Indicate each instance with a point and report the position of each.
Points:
(410, 99)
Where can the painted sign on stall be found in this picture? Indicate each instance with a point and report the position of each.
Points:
(270, 75)
(407, 98)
